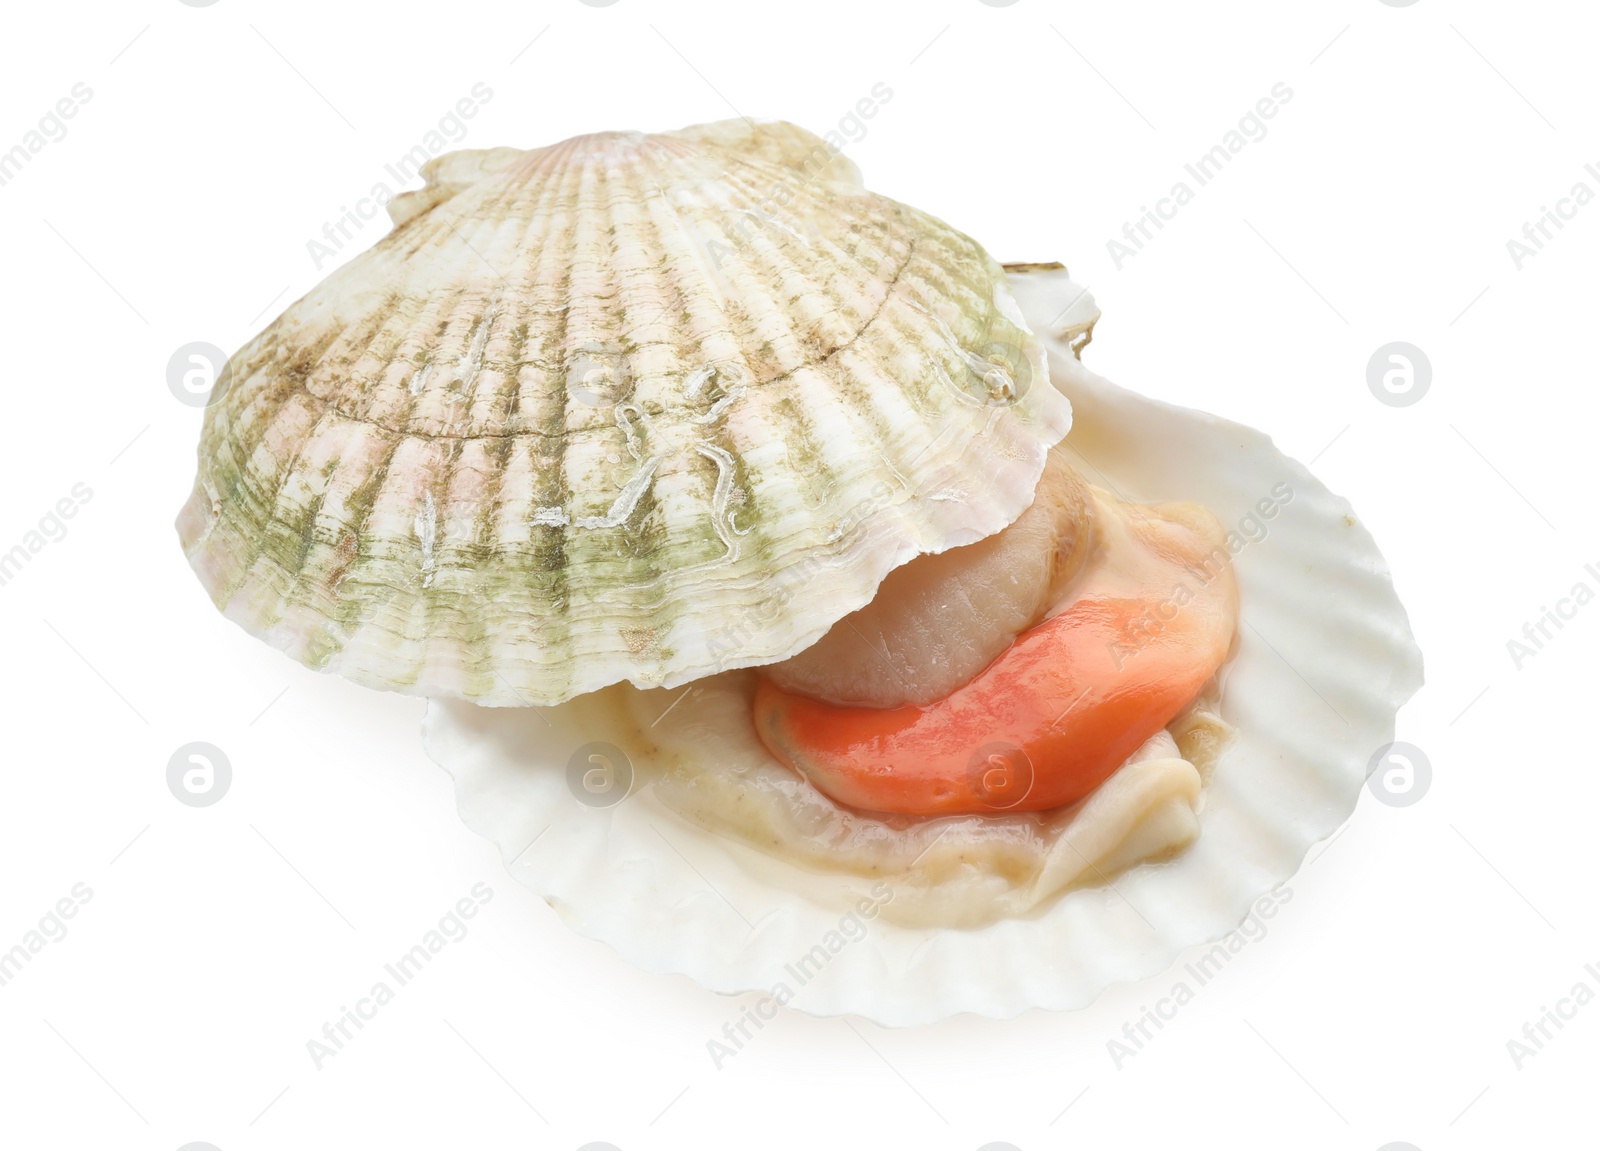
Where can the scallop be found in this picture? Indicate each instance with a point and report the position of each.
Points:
(756, 481)
(983, 914)
(626, 408)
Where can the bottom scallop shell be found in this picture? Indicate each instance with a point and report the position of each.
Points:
(1324, 660)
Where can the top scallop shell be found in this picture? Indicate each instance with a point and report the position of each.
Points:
(626, 407)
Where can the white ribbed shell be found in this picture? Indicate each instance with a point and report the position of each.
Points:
(1314, 596)
(628, 407)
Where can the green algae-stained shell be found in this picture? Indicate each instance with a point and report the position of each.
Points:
(628, 407)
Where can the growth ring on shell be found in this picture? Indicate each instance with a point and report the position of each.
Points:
(628, 407)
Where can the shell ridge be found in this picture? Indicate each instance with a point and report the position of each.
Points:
(268, 497)
(409, 486)
(892, 285)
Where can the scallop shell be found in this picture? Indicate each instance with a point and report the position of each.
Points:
(629, 407)
(1316, 602)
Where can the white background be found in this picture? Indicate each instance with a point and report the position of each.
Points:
(218, 940)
